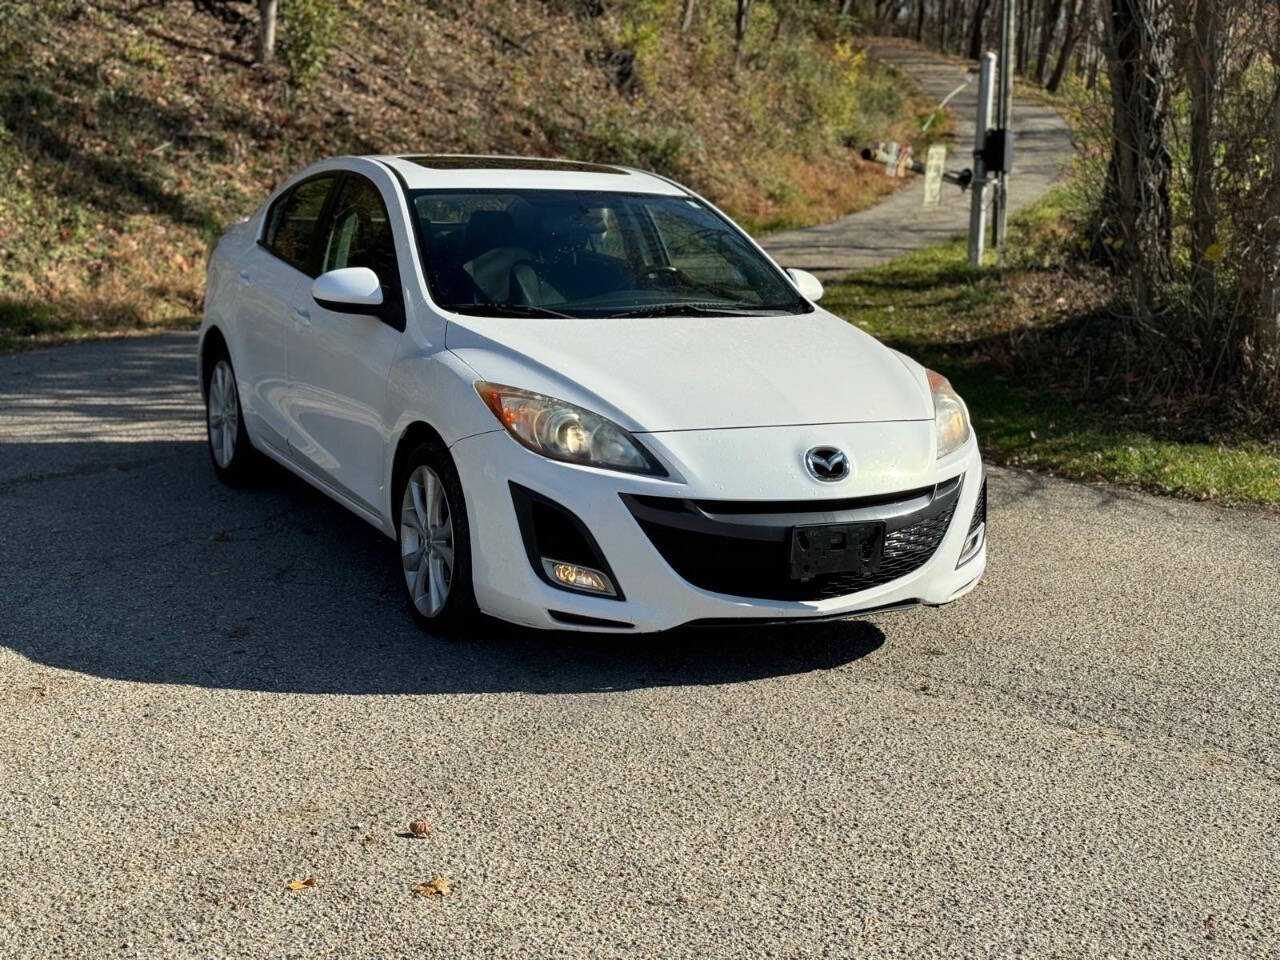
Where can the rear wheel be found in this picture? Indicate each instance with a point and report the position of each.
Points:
(233, 455)
(434, 542)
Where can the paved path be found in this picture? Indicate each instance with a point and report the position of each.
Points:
(902, 223)
(206, 693)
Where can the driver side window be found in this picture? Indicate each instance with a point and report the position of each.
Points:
(360, 235)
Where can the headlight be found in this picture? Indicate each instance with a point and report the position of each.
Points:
(562, 431)
(950, 417)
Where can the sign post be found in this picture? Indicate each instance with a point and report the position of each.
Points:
(978, 211)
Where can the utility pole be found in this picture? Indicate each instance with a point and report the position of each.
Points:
(978, 211)
(1003, 113)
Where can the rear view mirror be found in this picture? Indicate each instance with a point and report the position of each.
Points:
(349, 290)
(810, 287)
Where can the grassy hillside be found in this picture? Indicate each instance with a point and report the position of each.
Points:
(131, 133)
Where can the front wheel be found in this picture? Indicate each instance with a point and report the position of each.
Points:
(433, 538)
(233, 455)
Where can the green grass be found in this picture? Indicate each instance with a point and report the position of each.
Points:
(967, 324)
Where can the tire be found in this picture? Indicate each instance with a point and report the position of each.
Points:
(433, 542)
(234, 459)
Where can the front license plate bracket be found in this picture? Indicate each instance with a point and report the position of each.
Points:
(836, 548)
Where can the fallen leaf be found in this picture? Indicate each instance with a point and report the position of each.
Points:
(437, 886)
(1214, 251)
(303, 884)
(420, 828)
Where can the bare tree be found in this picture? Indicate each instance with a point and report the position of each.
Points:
(740, 23)
(686, 16)
(1199, 23)
(1079, 14)
(976, 31)
(1137, 211)
(266, 30)
(1048, 32)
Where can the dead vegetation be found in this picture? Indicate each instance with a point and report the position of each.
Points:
(132, 133)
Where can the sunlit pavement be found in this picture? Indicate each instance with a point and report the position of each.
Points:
(207, 693)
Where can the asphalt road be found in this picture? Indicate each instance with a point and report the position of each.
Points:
(901, 223)
(206, 693)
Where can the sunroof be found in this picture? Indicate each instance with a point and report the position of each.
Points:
(452, 162)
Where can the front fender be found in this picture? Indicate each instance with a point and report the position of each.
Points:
(436, 389)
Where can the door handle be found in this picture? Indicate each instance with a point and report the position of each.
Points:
(301, 317)
(243, 277)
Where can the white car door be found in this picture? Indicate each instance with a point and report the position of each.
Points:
(273, 278)
(339, 361)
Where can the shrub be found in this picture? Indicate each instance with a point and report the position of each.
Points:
(310, 30)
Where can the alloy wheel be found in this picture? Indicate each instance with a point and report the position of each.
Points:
(426, 541)
(224, 414)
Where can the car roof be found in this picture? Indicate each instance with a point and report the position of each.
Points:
(443, 171)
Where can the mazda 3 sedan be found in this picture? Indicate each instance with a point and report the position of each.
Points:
(578, 397)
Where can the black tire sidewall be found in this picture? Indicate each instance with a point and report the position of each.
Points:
(460, 606)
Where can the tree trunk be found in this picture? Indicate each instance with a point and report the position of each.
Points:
(1266, 310)
(1201, 62)
(686, 16)
(266, 30)
(1078, 13)
(1023, 54)
(781, 12)
(1136, 210)
(975, 33)
(919, 21)
(1048, 31)
(740, 22)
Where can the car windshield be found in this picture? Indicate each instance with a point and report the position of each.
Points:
(557, 253)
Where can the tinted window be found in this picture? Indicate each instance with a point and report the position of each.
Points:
(359, 235)
(292, 222)
(592, 254)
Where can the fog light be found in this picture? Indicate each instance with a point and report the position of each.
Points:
(972, 544)
(579, 578)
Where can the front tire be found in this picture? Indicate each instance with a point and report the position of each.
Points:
(233, 456)
(434, 543)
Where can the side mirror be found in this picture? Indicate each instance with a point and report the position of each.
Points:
(810, 287)
(349, 290)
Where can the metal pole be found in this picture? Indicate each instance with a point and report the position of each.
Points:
(1003, 115)
(978, 211)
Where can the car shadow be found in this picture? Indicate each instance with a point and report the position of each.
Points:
(136, 564)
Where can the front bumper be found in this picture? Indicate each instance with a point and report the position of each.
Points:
(656, 597)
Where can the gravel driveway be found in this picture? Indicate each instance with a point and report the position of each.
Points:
(207, 693)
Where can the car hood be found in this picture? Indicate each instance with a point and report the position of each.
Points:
(668, 373)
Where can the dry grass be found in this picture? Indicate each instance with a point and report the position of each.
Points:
(132, 134)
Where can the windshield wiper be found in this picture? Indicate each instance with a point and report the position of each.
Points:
(697, 310)
(509, 310)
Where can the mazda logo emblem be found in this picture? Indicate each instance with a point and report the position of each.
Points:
(827, 464)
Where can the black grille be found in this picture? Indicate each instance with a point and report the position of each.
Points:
(718, 554)
(980, 511)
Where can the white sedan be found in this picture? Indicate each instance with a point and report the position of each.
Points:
(579, 397)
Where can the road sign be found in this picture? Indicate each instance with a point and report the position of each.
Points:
(935, 162)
